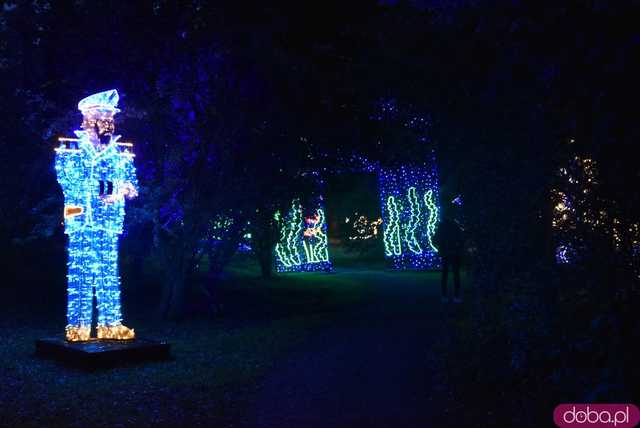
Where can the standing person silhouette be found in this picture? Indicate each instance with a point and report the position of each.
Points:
(449, 238)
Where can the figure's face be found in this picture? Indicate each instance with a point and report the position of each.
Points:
(99, 123)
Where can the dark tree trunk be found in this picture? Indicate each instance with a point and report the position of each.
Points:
(266, 262)
(174, 280)
(173, 294)
(264, 241)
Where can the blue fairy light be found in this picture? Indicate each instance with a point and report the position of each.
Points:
(410, 212)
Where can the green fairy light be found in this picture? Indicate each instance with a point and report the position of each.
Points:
(303, 242)
(414, 220)
(409, 200)
(316, 252)
(392, 231)
(432, 222)
(287, 248)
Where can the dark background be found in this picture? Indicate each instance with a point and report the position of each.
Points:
(235, 108)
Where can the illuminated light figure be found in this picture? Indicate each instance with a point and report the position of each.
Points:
(432, 222)
(392, 231)
(414, 221)
(287, 249)
(96, 173)
(363, 229)
(281, 256)
(316, 252)
(409, 201)
(302, 246)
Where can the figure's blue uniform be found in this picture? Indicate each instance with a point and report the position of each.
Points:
(92, 181)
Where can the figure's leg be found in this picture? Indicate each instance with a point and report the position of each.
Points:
(79, 288)
(445, 273)
(74, 276)
(108, 292)
(456, 276)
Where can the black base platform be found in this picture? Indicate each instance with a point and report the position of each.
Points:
(101, 353)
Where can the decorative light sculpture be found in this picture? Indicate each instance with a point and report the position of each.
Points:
(575, 209)
(363, 229)
(96, 173)
(392, 245)
(302, 246)
(409, 200)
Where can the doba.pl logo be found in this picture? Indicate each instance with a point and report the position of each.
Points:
(596, 415)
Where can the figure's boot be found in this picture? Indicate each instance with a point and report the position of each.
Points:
(75, 333)
(115, 332)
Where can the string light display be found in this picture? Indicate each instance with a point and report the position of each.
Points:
(574, 208)
(363, 229)
(582, 217)
(409, 190)
(96, 173)
(432, 221)
(634, 233)
(457, 201)
(221, 228)
(414, 221)
(287, 254)
(409, 199)
(303, 243)
(392, 245)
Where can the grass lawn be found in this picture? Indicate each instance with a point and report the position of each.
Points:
(219, 362)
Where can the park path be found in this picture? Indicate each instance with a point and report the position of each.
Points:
(372, 367)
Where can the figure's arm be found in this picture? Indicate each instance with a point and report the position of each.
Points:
(128, 182)
(67, 164)
(130, 179)
(66, 170)
(133, 177)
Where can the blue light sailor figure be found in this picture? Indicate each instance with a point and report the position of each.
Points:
(96, 173)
